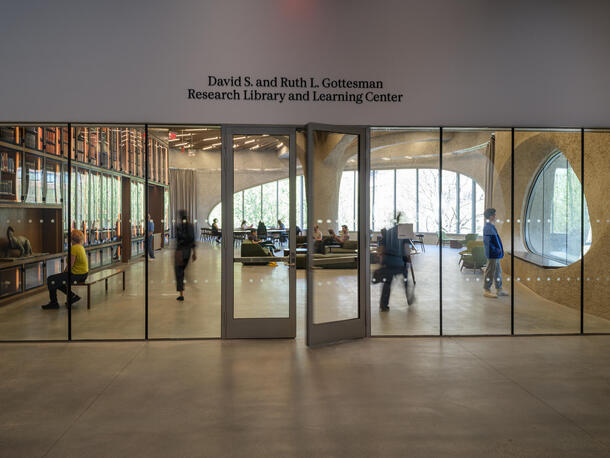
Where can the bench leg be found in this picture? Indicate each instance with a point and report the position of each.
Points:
(88, 297)
(106, 281)
(123, 280)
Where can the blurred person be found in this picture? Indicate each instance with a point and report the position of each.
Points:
(150, 230)
(185, 244)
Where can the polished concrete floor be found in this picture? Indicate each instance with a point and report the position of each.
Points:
(428, 397)
(262, 291)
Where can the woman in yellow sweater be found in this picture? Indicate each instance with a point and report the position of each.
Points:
(80, 270)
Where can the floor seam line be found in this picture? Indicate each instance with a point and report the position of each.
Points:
(94, 400)
(489, 365)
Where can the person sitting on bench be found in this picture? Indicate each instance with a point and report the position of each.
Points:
(80, 270)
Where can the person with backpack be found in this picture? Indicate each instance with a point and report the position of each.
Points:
(185, 244)
(394, 254)
(494, 251)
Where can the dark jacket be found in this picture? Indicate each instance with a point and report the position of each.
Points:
(185, 236)
(492, 242)
(394, 249)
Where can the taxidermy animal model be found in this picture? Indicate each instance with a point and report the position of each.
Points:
(18, 242)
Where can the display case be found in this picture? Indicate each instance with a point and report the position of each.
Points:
(33, 179)
(79, 143)
(9, 134)
(53, 266)
(92, 145)
(137, 208)
(95, 207)
(32, 137)
(10, 281)
(53, 187)
(33, 275)
(9, 165)
(53, 142)
(95, 258)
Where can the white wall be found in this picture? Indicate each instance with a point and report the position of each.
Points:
(470, 62)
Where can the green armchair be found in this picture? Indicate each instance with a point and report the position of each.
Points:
(468, 251)
(254, 250)
(475, 260)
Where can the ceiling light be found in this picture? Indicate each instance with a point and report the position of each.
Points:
(255, 147)
(385, 158)
(209, 147)
(408, 157)
(279, 145)
(182, 144)
(249, 141)
(217, 144)
(210, 138)
(239, 138)
(195, 130)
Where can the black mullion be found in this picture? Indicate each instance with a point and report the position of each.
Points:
(395, 196)
(417, 199)
(440, 231)
(373, 201)
(457, 202)
(512, 231)
(582, 230)
(473, 208)
(147, 237)
(69, 254)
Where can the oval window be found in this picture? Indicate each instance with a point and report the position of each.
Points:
(553, 213)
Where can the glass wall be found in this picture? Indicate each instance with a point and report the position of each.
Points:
(596, 241)
(261, 280)
(547, 198)
(31, 232)
(335, 232)
(107, 183)
(405, 191)
(560, 234)
(179, 266)
(476, 281)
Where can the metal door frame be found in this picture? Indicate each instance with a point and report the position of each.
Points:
(236, 328)
(335, 331)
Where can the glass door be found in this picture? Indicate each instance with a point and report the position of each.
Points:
(337, 234)
(257, 231)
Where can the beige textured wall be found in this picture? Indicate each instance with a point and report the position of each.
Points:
(561, 285)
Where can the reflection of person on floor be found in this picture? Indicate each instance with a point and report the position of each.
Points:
(216, 230)
(494, 251)
(394, 253)
(79, 270)
(150, 231)
(185, 243)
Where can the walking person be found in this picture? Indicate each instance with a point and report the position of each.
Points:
(494, 251)
(394, 254)
(185, 243)
(150, 232)
(79, 270)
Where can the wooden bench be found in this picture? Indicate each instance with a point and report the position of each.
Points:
(97, 277)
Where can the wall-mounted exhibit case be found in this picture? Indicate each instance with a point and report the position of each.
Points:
(107, 166)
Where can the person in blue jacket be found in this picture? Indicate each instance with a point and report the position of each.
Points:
(494, 251)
